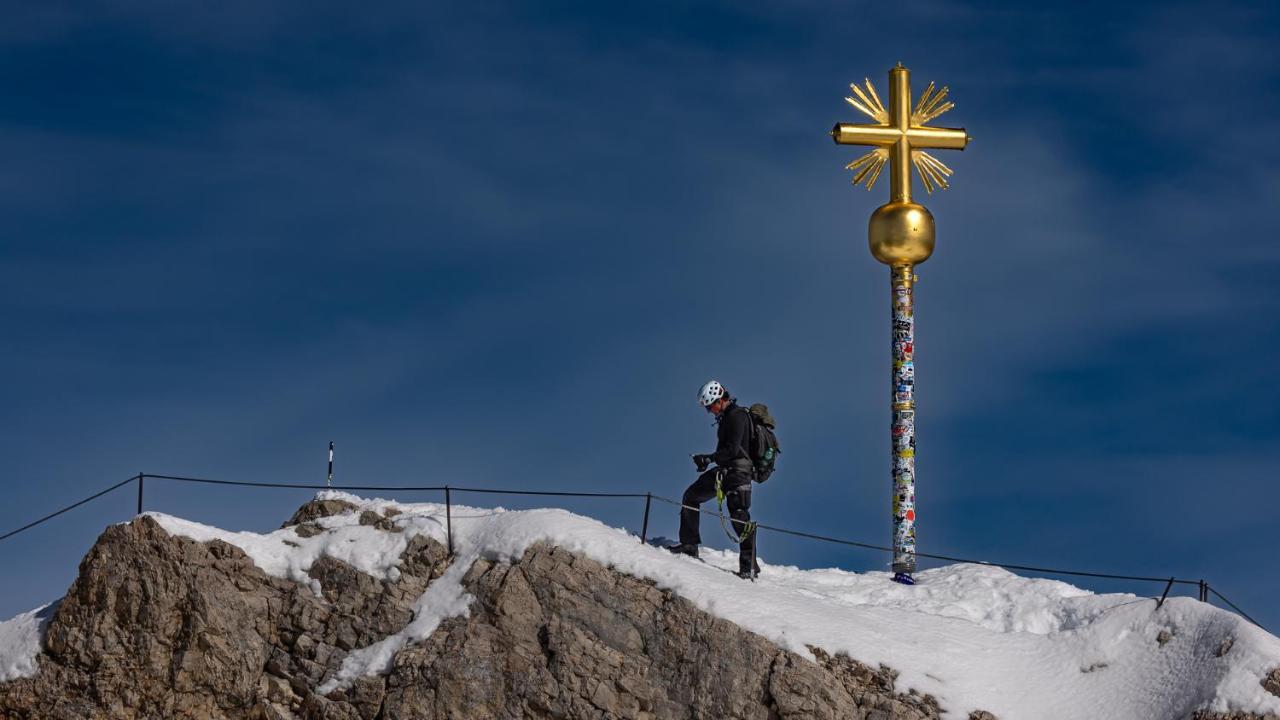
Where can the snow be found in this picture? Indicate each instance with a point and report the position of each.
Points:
(973, 636)
(20, 641)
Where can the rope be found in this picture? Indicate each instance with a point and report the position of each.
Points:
(868, 546)
(73, 506)
(752, 527)
(243, 483)
(546, 492)
(439, 488)
(1234, 607)
(756, 526)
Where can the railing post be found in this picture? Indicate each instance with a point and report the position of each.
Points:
(140, 476)
(1165, 594)
(448, 519)
(1204, 591)
(644, 529)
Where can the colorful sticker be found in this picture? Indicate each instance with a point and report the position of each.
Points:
(903, 429)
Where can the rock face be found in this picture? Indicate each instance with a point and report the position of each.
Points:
(158, 626)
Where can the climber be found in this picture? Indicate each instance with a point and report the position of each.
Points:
(731, 477)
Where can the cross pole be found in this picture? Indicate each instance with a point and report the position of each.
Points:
(901, 235)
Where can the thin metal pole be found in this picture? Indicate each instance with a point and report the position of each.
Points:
(448, 518)
(329, 482)
(644, 529)
(903, 426)
(1164, 594)
(140, 493)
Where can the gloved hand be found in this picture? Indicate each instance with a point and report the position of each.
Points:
(701, 462)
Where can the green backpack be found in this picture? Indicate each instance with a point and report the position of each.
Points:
(764, 443)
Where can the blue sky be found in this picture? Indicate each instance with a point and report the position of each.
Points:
(503, 244)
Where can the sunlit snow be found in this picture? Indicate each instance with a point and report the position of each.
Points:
(973, 636)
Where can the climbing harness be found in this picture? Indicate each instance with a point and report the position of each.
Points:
(747, 527)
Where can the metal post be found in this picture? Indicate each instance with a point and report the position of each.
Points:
(140, 493)
(329, 482)
(903, 427)
(1204, 591)
(1164, 594)
(448, 518)
(644, 529)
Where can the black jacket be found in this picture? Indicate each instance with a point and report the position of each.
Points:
(733, 440)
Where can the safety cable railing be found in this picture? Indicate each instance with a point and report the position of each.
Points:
(1204, 589)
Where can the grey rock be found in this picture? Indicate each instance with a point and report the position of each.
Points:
(371, 518)
(1271, 683)
(317, 509)
(158, 626)
(307, 529)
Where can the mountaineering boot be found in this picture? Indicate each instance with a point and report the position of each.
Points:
(683, 549)
(904, 578)
(748, 572)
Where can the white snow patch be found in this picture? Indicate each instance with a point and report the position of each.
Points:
(21, 639)
(973, 636)
(443, 599)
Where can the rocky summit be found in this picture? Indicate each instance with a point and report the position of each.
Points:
(355, 609)
(162, 626)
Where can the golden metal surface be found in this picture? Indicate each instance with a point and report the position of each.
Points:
(901, 234)
(903, 275)
(899, 136)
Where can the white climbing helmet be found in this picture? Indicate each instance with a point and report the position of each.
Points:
(710, 393)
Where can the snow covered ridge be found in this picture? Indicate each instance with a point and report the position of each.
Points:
(971, 636)
(20, 641)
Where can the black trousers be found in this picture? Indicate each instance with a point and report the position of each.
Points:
(737, 497)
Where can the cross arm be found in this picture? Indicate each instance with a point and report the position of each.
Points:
(941, 138)
(854, 134)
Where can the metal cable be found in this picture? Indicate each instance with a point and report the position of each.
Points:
(53, 515)
(784, 531)
(882, 548)
(1234, 607)
(440, 488)
(243, 483)
(669, 501)
(545, 492)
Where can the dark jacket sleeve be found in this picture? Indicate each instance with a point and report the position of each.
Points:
(733, 428)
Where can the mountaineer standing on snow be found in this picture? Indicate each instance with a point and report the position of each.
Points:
(738, 442)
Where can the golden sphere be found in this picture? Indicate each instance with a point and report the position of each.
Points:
(901, 233)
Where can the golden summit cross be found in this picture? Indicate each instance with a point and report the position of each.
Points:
(899, 135)
(901, 235)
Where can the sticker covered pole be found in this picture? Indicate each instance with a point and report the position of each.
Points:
(903, 433)
(901, 235)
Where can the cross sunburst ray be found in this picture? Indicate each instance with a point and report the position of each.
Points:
(933, 173)
(870, 102)
(902, 122)
(931, 105)
(868, 166)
